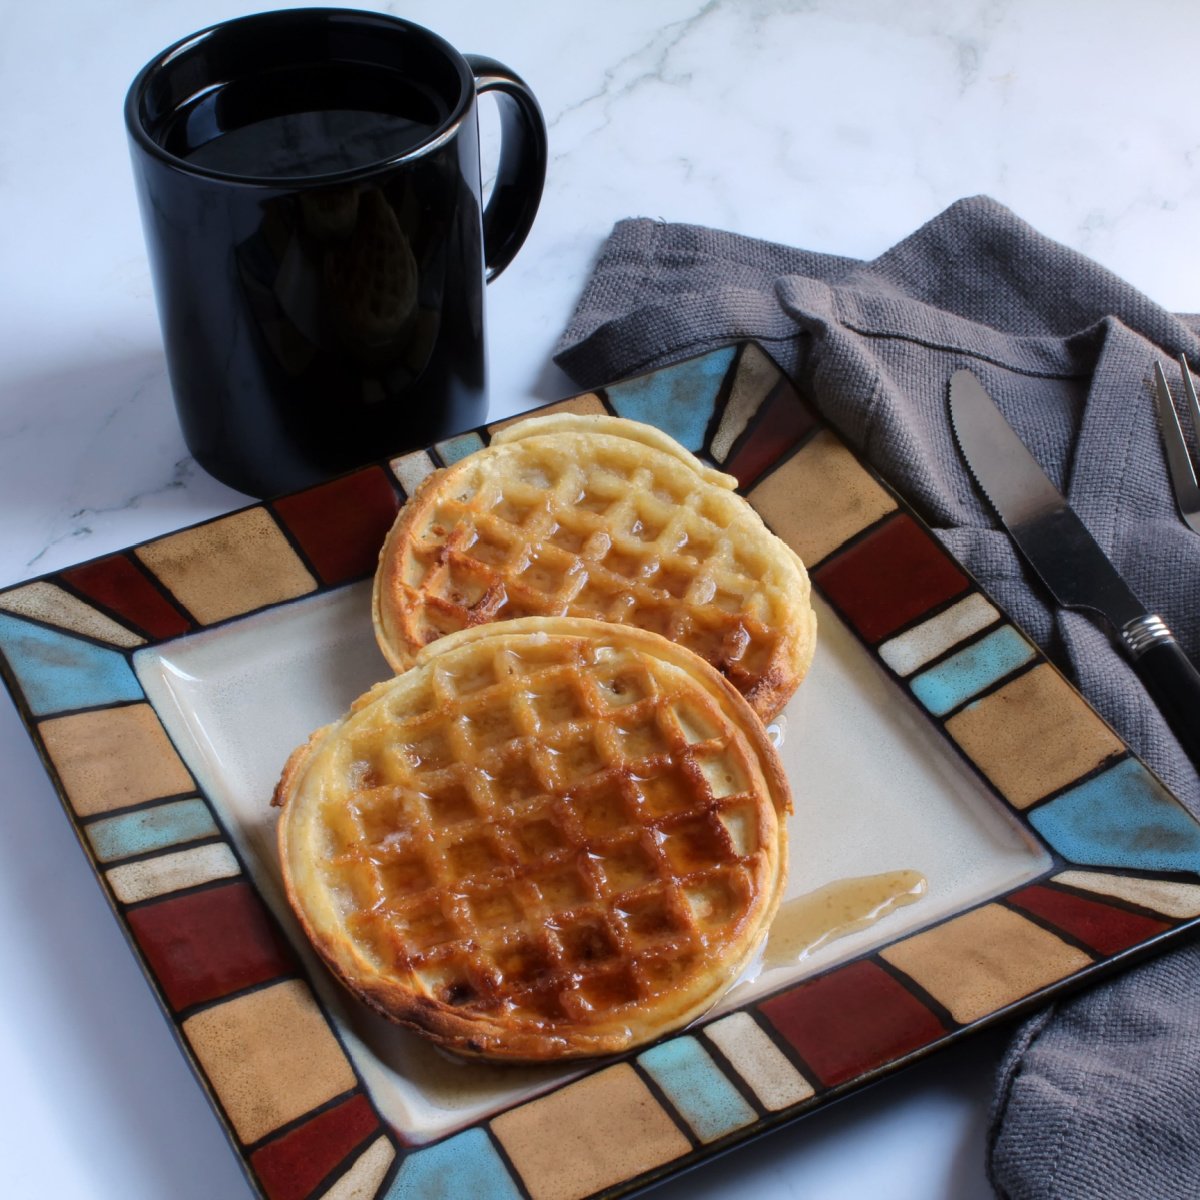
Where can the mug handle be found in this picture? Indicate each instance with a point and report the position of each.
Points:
(521, 172)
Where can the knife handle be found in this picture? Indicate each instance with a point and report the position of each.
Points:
(1174, 684)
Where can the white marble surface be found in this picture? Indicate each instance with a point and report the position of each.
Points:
(838, 125)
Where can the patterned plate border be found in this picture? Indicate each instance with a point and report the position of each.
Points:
(1125, 854)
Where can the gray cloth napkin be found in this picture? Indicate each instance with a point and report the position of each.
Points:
(1099, 1096)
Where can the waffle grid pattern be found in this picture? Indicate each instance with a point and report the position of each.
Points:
(1117, 908)
(636, 539)
(580, 836)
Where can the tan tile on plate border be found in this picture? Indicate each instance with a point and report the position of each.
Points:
(589, 1135)
(820, 497)
(761, 1063)
(109, 758)
(412, 469)
(586, 403)
(756, 376)
(270, 1057)
(230, 566)
(48, 602)
(362, 1180)
(979, 962)
(1033, 736)
(1164, 896)
(149, 877)
(912, 649)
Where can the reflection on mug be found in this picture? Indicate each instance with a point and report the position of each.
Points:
(310, 187)
(371, 282)
(334, 273)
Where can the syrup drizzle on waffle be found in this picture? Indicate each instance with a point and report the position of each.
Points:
(630, 536)
(555, 833)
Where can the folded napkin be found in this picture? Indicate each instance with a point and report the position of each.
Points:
(1099, 1096)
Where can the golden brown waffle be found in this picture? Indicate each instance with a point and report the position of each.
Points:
(600, 517)
(549, 838)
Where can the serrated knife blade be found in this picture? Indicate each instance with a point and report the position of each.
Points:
(1070, 562)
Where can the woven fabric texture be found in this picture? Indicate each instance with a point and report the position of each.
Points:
(1098, 1096)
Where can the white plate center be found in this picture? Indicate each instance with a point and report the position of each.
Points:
(876, 789)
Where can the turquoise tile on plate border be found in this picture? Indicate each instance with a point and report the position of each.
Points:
(1122, 817)
(464, 1166)
(679, 399)
(151, 829)
(451, 450)
(469, 1163)
(697, 1087)
(973, 668)
(58, 672)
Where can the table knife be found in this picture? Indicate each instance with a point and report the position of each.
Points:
(1068, 559)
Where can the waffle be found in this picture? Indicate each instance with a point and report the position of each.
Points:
(605, 518)
(549, 838)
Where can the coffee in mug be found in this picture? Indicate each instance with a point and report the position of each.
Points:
(309, 183)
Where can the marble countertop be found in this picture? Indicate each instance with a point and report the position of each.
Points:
(838, 127)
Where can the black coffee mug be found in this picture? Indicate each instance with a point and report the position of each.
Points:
(309, 182)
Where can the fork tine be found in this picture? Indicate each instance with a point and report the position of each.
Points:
(1193, 405)
(1179, 461)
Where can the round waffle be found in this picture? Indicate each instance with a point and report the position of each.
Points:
(549, 838)
(599, 517)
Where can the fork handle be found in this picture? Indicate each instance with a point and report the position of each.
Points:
(1174, 685)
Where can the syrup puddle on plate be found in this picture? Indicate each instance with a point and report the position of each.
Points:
(806, 923)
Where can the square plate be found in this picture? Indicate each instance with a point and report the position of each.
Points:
(166, 684)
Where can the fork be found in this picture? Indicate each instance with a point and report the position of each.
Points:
(1179, 460)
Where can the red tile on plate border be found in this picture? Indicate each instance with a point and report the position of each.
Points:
(896, 573)
(291, 1166)
(340, 525)
(210, 943)
(1099, 926)
(123, 588)
(780, 422)
(851, 1020)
